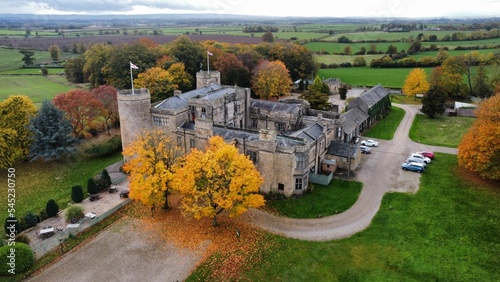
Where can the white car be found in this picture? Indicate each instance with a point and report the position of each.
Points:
(425, 159)
(369, 143)
(416, 160)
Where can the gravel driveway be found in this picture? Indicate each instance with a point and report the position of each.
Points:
(380, 172)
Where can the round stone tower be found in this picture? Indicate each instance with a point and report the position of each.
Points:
(135, 113)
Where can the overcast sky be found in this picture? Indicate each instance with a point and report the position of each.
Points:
(308, 8)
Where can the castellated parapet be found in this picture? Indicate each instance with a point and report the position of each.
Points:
(135, 113)
(205, 78)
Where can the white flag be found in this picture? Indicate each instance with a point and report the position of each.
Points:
(209, 53)
(133, 66)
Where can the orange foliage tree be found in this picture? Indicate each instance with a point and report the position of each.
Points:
(479, 149)
(106, 95)
(81, 108)
(150, 167)
(219, 178)
(271, 79)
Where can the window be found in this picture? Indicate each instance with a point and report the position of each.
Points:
(255, 123)
(339, 132)
(298, 183)
(301, 161)
(281, 186)
(252, 155)
(280, 126)
(191, 143)
(160, 121)
(203, 112)
(237, 110)
(179, 141)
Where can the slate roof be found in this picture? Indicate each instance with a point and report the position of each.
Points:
(342, 149)
(275, 106)
(368, 99)
(233, 133)
(208, 92)
(353, 118)
(309, 133)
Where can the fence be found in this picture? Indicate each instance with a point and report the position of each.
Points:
(53, 242)
(320, 178)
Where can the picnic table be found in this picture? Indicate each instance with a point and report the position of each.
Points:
(91, 215)
(46, 232)
(113, 188)
(124, 194)
(93, 197)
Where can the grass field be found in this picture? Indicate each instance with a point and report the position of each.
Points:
(447, 231)
(36, 87)
(441, 131)
(361, 76)
(386, 128)
(33, 71)
(335, 198)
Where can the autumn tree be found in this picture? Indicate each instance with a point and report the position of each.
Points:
(107, 96)
(15, 114)
(158, 81)
(433, 102)
(55, 53)
(151, 159)
(81, 108)
(51, 134)
(268, 37)
(479, 149)
(299, 61)
(218, 179)
(190, 52)
(271, 79)
(7, 139)
(317, 95)
(74, 70)
(454, 69)
(415, 83)
(180, 77)
(95, 59)
(481, 86)
(232, 70)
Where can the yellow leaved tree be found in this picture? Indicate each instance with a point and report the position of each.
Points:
(150, 167)
(479, 149)
(271, 79)
(416, 83)
(158, 81)
(218, 179)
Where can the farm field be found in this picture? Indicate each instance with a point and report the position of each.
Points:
(36, 87)
(366, 76)
(391, 36)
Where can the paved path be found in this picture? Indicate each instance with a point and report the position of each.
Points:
(380, 172)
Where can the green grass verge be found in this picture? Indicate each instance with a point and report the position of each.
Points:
(335, 198)
(447, 231)
(386, 128)
(441, 131)
(38, 182)
(33, 71)
(37, 88)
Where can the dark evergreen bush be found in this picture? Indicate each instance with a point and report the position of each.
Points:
(24, 258)
(77, 194)
(31, 219)
(105, 179)
(43, 215)
(91, 186)
(52, 208)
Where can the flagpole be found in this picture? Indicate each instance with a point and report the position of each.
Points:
(131, 78)
(208, 62)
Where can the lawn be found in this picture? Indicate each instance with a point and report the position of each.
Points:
(335, 198)
(447, 231)
(36, 87)
(441, 131)
(366, 76)
(37, 182)
(386, 128)
(11, 59)
(33, 71)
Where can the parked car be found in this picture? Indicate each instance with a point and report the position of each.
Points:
(427, 154)
(417, 155)
(413, 167)
(365, 149)
(369, 143)
(416, 160)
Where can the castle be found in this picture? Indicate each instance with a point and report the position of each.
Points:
(290, 144)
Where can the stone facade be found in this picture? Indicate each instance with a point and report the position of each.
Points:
(288, 143)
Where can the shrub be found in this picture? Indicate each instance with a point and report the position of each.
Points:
(105, 149)
(73, 212)
(43, 215)
(31, 219)
(45, 71)
(24, 258)
(105, 179)
(91, 186)
(15, 224)
(77, 194)
(52, 208)
(23, 238)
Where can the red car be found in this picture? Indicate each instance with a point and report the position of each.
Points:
(427, 154)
